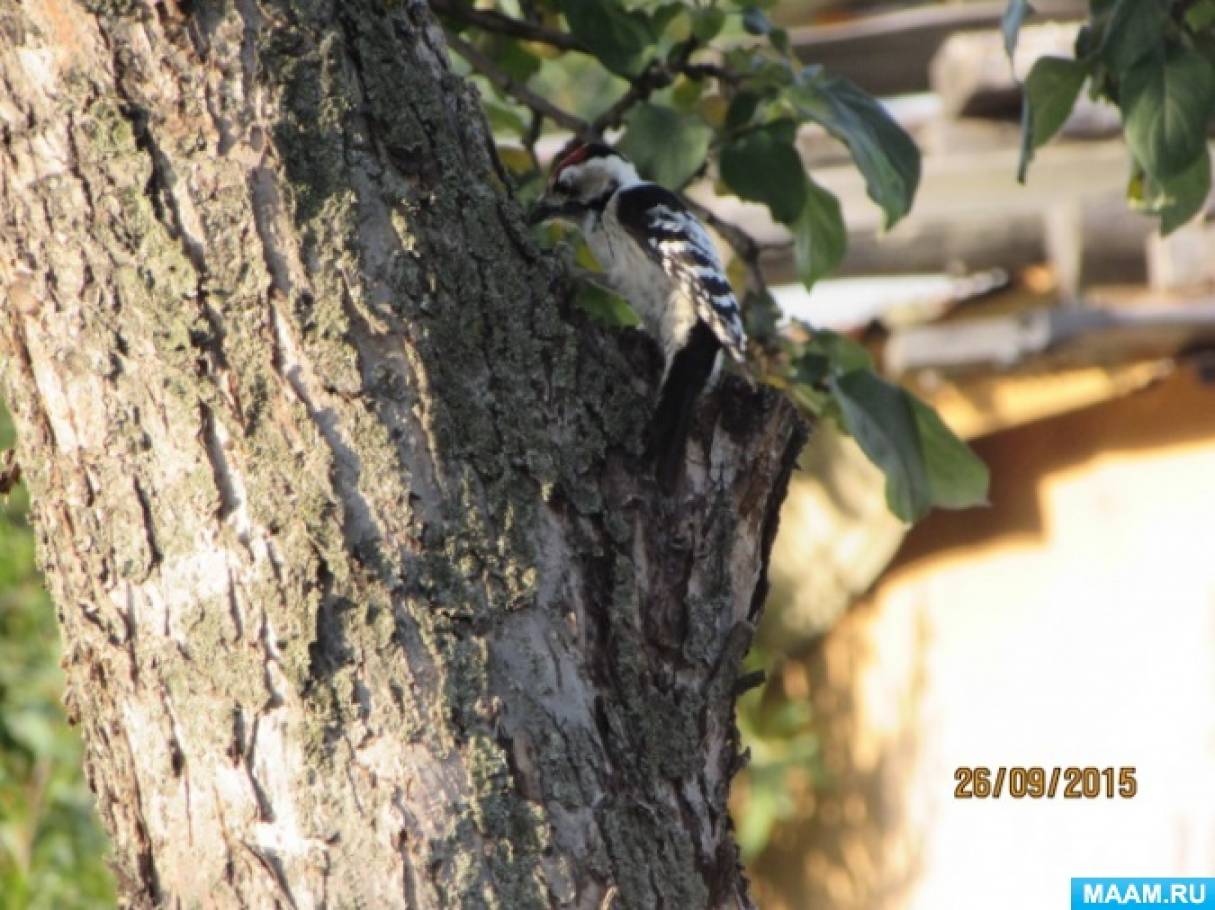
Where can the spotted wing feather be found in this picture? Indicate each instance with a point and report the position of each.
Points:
(674, 238)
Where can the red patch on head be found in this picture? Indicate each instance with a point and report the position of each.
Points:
(575, 155)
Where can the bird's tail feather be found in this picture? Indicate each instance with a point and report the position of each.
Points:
(689, 373)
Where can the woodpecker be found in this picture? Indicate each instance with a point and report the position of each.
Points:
(658, 257)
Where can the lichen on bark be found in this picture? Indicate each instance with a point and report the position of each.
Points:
(366, 594)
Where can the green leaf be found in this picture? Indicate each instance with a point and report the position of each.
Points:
(761, 72)
(881, 418)
(780, 40)
(741, 110)
(957, 477)
(1166, 103)
(885, 154)
(503, 117)
(663, 16)
(810, 368)
(707, 22)
(686, 94)
(1200, 16)
(515, 60)
(844, 354)
(819, 235)
(668, 147)
(755, 22)
(1133, 30)
(813, 400)
(604, 306)
(1177, 199)
(1010, 24)
(762, 165)
(622, 39)
(1051, 90)
(1085, 44)
(1185, 194)
(761, 314)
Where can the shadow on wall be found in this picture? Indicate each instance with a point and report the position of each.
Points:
(1176, 412)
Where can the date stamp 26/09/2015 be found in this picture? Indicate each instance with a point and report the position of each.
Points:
(982, 782)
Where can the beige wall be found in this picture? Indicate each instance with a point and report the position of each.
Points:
(1073, 623)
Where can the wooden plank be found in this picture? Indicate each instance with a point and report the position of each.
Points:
(888, 54)
(970, 213)
(1183, 260)
(971, 76)
(1080, 334)
(965, 187)
(971, 72)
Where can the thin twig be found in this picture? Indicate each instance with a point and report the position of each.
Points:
(651, 79)
(699, 71)
(493, 21)
(516, 89)
(531, 137)
(749, 681)
(657, 75)
(526, 30)
(530, 13)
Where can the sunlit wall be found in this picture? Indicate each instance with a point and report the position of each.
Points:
(1072, 624)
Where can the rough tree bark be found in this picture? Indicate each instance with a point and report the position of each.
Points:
(365, 595)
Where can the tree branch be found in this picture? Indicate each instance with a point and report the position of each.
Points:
(531, 137)
(657, 75)
(516, 89)
(493, 21)
(700, 71)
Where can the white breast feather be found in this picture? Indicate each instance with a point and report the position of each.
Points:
(665, 311)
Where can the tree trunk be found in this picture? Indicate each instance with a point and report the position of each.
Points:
(367, 597)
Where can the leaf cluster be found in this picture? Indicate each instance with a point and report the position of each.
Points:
(925, 464)
(1154, 60)
(741, 105)
(785, 764)
(713, 89)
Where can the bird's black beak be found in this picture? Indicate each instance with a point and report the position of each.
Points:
(547, 208)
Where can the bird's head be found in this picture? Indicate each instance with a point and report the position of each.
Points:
(583, 178)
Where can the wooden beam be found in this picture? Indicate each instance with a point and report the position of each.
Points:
(970, 213)
(971, 74)
(888, 54)
(1082, 334)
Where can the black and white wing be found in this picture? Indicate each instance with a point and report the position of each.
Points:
(675, 239)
